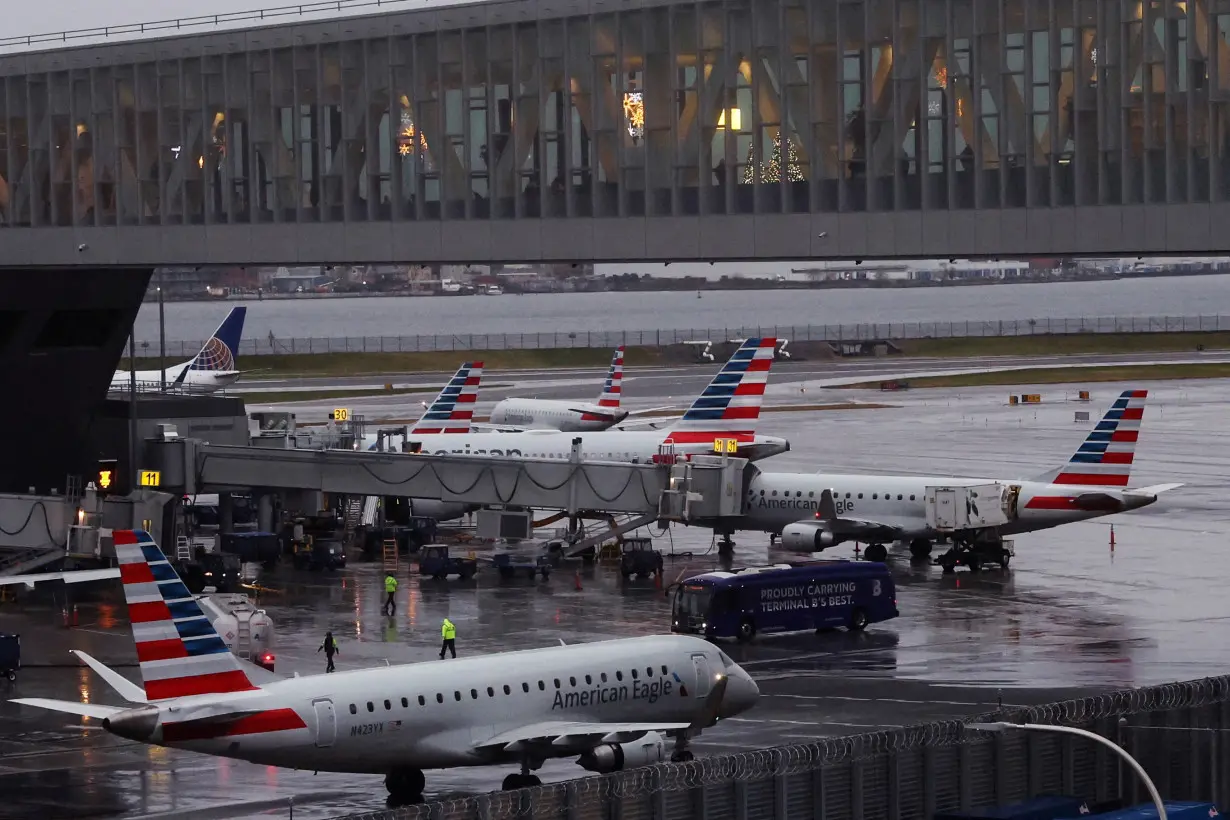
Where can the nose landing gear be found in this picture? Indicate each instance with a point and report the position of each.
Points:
(524, 780)
(405, 787)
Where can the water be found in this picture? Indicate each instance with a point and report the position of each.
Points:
(565, 312)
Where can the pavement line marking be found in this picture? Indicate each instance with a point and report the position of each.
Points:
(927, 702)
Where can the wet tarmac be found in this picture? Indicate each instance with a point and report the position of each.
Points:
(1071, 616)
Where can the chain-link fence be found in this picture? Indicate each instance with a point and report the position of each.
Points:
(658, 338)
(1175, 731)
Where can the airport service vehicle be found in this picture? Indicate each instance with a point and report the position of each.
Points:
(509, 564)
(784, 598)
(10, 655)
(209, 370)
(211, 569)
(311, 554)
(1042, 807)
(434, 560)
(814, 511)
(637, 557)
(252, 547)
(606, 703)
(727, 409)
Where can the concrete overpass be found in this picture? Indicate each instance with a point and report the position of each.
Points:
(594, 130)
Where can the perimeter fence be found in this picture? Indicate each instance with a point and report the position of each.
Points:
(889, 331)
(1177, 732)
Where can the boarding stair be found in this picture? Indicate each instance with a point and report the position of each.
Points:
(352, 517)
(389, 555)
(613, 531)
(243, 634)
(20, 561)
(183, 548)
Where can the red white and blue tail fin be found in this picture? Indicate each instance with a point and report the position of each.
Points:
(453, 409)
(1105, 459)
(612, 390)
(730, 406)
(179, 651)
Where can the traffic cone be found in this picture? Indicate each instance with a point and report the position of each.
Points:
(75, 615)
(1112, 537)
(657, 580)
(577, 578)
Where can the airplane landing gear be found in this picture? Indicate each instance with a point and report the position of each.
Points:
(524, 780)
(682, 753)
(976, 552)
(405, 786)
(726, 545)
(876, 552)
(920, 548)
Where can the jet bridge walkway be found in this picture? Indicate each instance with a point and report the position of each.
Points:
(704, 487)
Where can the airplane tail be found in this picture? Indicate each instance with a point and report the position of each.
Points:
(1105, 458)
(222, 350)
(179, 651)
(453, 409)
(730, 406)
(612, 390)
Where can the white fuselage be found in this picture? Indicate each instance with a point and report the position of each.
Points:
(201, 381)
(436, 715)
(775, 500)
(607, 445)
(553, 414)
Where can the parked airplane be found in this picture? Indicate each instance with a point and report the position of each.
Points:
(876, 510)
(569, 416)
(595, 701)
(207, 371)
(727, 409)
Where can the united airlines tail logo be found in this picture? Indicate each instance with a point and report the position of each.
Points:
(215, 356)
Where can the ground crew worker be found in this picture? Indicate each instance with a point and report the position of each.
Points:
(390, 587)
(330, 648)
(448, 632)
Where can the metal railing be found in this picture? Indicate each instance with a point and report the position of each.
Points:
(180, 25)
(1175, 731)
(890, 331)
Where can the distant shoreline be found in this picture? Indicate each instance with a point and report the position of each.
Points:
(661, 285)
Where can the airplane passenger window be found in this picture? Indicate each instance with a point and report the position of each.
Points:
(507, 691)
(633, 674)
(422, 701)
(663, 669)
(474, 694)
(898, 496)
(619, 676)
(354, 710)
(811, 494)
(370, 707)
(572, 681)
(911, 498)
(762, 492)
(456, 695)
(604, 677)
(542, 687)
(525, 687)
(439, 697)
(405, 704)
(648, 672)
(490, 692)
(588, 680)
(557, 683)
(860, 495)
(847, 495)
(775, 492)
(875, 495)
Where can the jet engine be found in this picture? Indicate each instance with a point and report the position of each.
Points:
(615, 757)
(807, 537)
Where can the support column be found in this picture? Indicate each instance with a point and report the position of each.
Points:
(264, 512)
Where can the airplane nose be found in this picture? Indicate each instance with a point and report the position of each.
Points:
(742, 693)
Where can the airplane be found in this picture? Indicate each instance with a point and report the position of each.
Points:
(514, 414)
(727, 409)
(876, 510)
(211, 369)
(607, 703)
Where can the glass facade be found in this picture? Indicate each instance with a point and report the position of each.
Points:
(691, 108)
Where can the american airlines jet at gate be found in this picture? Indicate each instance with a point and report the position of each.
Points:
(814, 511)
(211, 369)
(607, 703)
(727, 409)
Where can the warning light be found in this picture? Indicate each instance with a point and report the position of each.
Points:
(108, 473)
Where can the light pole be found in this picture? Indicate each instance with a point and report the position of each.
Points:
(162, 339)
(1071, 730)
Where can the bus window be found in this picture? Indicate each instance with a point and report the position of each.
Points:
(691, 604)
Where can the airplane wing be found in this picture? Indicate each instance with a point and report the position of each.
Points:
(71, 577)
(653, 422)
(827, 516)
(93, 710)
(570, 733)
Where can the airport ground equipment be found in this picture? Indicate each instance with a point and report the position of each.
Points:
(221, 571)
(10, 655)
(435, 561)
(319, 554)
(639, 558)
(510, 564)
(246, 630)
(253, 547)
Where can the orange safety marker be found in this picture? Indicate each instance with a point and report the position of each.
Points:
(1112, 537)
(578, 579)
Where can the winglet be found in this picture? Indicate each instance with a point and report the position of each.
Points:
(126, 689)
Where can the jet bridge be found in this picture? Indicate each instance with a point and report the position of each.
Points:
(669, 489)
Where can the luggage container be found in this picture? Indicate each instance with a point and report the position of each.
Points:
(10, 655)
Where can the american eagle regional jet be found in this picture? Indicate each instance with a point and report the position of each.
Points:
(606, 703)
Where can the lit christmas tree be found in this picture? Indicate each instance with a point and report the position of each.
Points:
(772, 170)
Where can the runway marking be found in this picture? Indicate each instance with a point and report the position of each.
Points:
(778, 720)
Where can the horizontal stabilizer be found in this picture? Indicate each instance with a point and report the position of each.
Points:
(93, 710)
(1155, 489)
(126, 689)
(563, 733)
(69, 577)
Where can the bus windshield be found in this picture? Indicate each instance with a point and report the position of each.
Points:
(690, 609)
